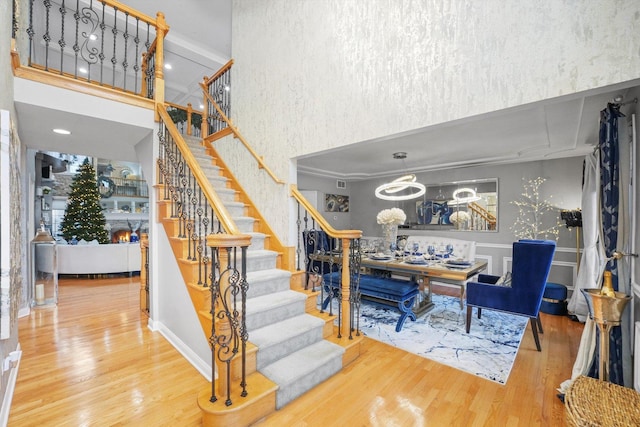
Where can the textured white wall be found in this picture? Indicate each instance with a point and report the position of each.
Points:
(316, 74)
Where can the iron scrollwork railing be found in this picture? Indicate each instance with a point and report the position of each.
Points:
(229, 334)
(98, 42)
(196, 218)
(319, 254)
(187, 120)
(220, 257)
(218, 88)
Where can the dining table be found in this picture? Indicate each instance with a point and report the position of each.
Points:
(424, 271)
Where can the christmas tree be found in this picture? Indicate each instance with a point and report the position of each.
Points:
(83, 217)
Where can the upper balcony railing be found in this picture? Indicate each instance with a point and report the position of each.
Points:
(102, 42)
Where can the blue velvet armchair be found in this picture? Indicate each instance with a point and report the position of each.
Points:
(531, 263)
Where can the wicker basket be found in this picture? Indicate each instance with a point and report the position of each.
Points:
(591, 402)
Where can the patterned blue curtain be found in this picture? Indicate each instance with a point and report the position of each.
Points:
(610, 196)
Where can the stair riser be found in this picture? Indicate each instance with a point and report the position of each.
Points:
(218, 182)
(257, 243)
(260, 288)
(228, 196)
(287, 393)
(274, 315)
(261, 263)
(235, 211)
(267, 355)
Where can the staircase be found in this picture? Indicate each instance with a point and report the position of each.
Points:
(284, 325)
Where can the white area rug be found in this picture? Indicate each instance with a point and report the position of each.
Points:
(488, 350)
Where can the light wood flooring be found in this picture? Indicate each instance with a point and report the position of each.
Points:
(92, 361)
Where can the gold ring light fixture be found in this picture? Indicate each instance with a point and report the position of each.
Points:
(390, 190)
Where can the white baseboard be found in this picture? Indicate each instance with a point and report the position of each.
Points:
(201, 365)
(8, 393)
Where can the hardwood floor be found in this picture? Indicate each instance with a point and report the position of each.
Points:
(92, 361)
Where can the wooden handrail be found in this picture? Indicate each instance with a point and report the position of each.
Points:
(223, 214)
(485, 214)
(132, 12)
(339, 234)
(236, 132)
(182, 107)
(221, 71)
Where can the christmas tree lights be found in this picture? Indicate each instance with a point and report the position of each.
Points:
(83, 217)
(535, 214)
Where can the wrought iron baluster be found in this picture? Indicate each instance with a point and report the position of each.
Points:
(102, 55)
(192, 215)
(206, 219)
(30, 32)
(355, 259)
(136, 66)
(213, 339)
(14, 19)
(150, 66)
(299, 239)
(88, 53)
(61, 42)
(244, 334)
(198, 238)
(227, 110)
(125, 63)
(181, 184)
(146, 283)
(114, 60)
(46, 37)
(76, 45)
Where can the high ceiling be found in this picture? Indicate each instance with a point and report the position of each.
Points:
(550, 129)
(198, 44)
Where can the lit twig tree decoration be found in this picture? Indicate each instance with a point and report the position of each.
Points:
(532, 213)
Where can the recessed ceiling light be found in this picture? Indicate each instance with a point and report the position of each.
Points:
(167, 66)
(201, 106)
(93, 37)
(82, 70)
(62, 131)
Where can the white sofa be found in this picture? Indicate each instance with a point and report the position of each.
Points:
(98, 259)
(462, 249)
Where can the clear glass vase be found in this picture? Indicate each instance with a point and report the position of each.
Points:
(390, 237)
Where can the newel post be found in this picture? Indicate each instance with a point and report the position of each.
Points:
(345, 300)
(205, 113)
(161, 31)
(189, 113)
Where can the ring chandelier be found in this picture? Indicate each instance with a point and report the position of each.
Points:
(387, 191)
(468, 195)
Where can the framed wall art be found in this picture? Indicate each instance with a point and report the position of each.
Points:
(336, 203)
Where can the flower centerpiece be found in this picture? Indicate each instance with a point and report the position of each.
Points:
(458, 218)
(393, 216)
(390, 219)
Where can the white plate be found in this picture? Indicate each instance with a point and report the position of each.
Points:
(380, 257)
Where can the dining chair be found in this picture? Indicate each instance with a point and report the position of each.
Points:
(519, 294)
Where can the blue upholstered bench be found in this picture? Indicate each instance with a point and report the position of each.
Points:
(395, 293)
